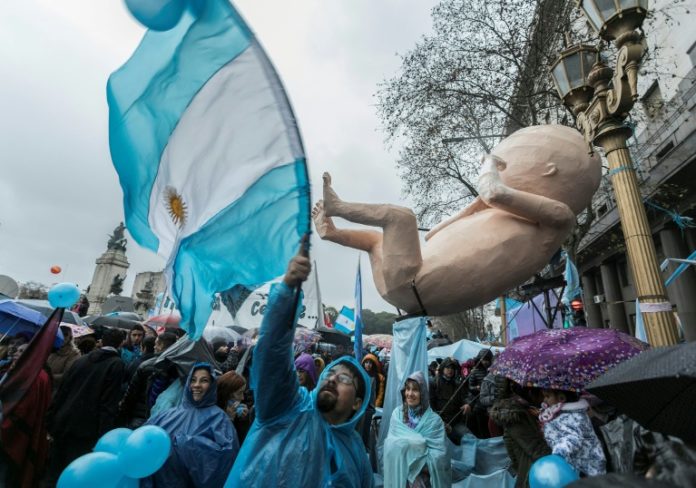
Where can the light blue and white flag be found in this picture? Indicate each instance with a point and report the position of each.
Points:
(345, 322)
(209, 157)
(572, 279)
(640, 325)
(358, 325)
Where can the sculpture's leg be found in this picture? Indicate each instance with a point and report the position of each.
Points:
(369, 241)
(401, 253)
(364, 240)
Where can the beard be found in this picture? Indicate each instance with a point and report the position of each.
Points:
(325, 401)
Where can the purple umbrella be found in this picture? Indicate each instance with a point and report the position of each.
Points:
(565, 359)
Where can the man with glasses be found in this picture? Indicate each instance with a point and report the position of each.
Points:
(301, 438)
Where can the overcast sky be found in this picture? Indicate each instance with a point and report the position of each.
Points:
(59, 193)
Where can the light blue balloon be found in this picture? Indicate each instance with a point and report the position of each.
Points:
(100, 469)
(145, 451)
(551, 472)
(127, 482)
(159, 15)
(63, 295)
(113, 441)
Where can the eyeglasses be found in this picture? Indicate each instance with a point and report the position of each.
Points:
(344, 378)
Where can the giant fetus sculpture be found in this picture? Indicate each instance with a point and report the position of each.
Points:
(530, 189)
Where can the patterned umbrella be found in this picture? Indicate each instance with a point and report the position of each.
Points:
(78, 330)
(167, 320)
(304, 339)
(565, 359)
(383, 341)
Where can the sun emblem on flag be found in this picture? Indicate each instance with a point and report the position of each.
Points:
(176, 206)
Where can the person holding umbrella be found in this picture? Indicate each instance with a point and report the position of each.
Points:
(569, 433)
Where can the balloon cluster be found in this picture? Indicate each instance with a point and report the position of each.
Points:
(120, 458)
(158, 15)
(63, 295)
(551, 472)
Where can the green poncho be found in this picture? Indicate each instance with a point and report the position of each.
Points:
(407, 450)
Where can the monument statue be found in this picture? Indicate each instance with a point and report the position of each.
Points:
(117, 241)
(117, 285)
(531, 187)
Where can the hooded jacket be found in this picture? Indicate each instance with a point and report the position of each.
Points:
(378, 381)
(305, 362)
(443, 389)
(290, 444)
(60, 361)
(204, 442)
(86, 403)
(523, 438)
(408, 450)
(568, 431)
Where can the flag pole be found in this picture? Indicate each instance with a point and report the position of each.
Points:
(304, 251)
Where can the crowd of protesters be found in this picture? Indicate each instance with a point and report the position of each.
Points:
(243, 415)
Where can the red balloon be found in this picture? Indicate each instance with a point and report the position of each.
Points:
(56, 269)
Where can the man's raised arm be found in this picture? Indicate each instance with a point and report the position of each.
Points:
(273, 375)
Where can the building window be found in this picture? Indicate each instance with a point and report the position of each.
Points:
(664, 151)
(652, 101)
(692, 53)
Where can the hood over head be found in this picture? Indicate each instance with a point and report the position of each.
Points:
(351, 422)
(483, 354)
(419, 378)
(305, 362)
(375, 362)
(210, 397)
(450, 363)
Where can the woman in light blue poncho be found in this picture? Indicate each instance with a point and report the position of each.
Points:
(415, 450)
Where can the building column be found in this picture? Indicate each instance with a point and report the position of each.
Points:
(682, 292)
(592, 311)
(614, 297)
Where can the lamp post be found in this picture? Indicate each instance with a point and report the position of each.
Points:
(601, 99)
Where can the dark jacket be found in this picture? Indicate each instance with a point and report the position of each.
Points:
(133, 366)
(524, 439)
(134, 405)
(476, 378)
(441, 390)
(86, 403)
(231, 361)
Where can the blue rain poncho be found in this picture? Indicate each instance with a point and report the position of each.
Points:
(408, 450)
(204, 442)
(290, 444)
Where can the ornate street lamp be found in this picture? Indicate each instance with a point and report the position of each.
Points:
(611, 18)
(601, 99)
(570, 74)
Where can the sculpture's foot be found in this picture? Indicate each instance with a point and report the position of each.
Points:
(323, 224)
(331, 201)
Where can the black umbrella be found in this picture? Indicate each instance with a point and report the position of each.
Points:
(238, 328)
(69, 317)
(114, 322)
(438, 342)
(333, 336)
(656, 388)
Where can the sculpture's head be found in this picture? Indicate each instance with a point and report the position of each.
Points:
(550, 160)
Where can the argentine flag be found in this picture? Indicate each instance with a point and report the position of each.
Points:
(345, 321)
(209, 157)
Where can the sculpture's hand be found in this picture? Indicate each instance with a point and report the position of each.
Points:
(536, 208)
(492, 164)
(490, 186)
